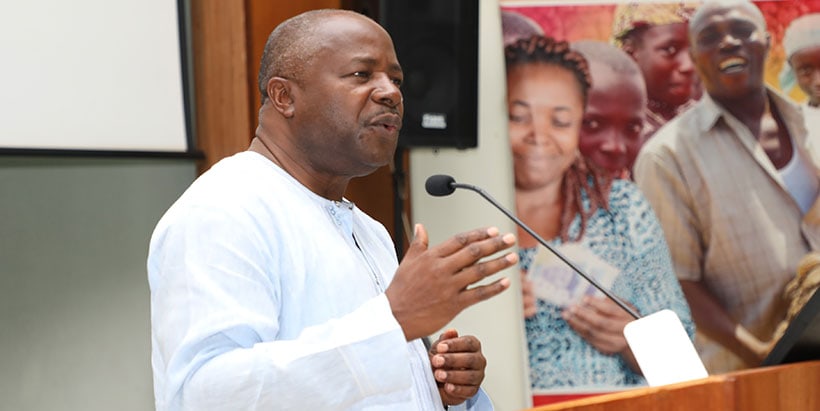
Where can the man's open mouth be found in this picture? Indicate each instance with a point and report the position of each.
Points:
(732, 65)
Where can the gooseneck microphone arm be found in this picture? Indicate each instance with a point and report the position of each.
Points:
(443, 185)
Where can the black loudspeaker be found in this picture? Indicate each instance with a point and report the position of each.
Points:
(437, 46)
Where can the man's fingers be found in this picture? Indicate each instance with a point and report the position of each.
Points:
(420, 241)
(484, 269)
(459, 384)
(459, 393)
(434, 275)
(460, 361)
(471, 378)
(480, 293)
(459, 241)
(448, 334)
(464, 344)
(475, 251)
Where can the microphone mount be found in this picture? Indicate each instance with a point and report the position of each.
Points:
(442, 185)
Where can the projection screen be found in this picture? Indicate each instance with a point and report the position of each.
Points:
(93, 75)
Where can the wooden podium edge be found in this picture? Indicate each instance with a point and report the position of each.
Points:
(788, 387)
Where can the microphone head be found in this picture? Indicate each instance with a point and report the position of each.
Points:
(440, 185)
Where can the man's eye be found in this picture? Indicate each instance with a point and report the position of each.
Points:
(397, 82)
(591, 124)
(361, 74)
(743, 31)
(709, 39)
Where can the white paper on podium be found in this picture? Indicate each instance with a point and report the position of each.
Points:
(663, 350)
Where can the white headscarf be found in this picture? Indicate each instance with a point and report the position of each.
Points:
(803, 32)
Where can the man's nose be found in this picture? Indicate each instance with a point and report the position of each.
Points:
(729, 41)
(387, 91)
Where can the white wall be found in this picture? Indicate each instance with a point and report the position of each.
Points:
(498, 322)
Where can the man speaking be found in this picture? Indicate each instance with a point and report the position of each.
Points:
(269, 290)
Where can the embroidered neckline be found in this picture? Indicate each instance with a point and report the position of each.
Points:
(343, 204)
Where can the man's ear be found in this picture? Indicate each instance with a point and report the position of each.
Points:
(280, 95)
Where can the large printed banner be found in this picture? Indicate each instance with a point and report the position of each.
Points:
(594, 20)
(569, 354)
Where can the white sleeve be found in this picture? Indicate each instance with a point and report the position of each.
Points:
(215, 317)
(330, 366)
(479, 402)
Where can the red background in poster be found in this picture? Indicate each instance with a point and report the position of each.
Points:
(573, 22)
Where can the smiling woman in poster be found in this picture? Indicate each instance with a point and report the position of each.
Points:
(575, 337)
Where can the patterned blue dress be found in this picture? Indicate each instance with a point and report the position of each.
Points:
(629, 237)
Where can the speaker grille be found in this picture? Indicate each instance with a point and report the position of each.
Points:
(437, 46)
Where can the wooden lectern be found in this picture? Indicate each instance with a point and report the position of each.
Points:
(791, 387)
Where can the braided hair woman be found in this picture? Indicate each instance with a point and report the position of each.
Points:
(575, 338)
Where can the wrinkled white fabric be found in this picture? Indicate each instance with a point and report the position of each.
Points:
(260, 300)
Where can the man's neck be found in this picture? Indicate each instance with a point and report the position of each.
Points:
(665, 110)
(331, 188)
(749, 109)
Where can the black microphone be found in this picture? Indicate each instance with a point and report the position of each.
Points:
(441, 185)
